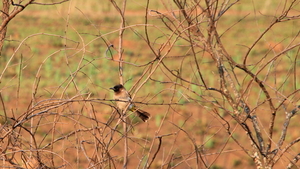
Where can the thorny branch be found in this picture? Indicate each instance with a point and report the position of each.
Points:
(212, 44)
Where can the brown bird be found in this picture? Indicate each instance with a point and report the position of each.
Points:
(125, 99)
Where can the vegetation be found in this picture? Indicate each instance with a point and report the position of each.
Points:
(218, 77)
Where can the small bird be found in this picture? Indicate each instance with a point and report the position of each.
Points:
(125, 99)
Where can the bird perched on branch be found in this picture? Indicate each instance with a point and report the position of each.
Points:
(123, 98)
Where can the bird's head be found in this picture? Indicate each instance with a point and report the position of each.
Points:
(117, 88)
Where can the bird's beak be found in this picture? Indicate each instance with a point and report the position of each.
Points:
(112, 88)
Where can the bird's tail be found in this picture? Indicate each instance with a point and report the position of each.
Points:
(142, 114)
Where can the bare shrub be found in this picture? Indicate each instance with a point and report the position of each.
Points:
(221, 92)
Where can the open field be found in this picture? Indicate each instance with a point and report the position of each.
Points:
(57, 68)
